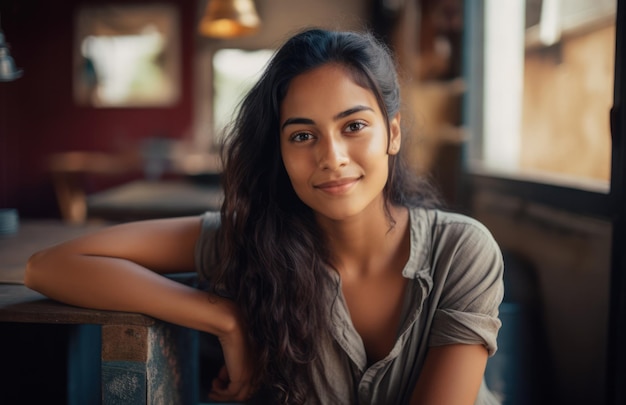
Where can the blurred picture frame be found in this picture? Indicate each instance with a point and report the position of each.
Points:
(127, 56)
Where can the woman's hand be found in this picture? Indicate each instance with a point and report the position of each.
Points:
(234, 381)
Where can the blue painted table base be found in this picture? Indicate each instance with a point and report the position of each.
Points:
(155, 364)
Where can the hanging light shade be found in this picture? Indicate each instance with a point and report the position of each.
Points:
(229, 19)
(8, 71)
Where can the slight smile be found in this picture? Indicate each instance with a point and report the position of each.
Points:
(337, 187)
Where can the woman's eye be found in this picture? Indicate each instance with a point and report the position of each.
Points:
(355, 126)
(301, 137)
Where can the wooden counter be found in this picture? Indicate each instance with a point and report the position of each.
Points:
(138, 359)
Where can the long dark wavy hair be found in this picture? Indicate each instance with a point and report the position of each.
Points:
(269, 254)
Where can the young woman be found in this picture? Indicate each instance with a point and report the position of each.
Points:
(333, 278)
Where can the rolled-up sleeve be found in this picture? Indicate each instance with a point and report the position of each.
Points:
(210, 223)
(469, 269)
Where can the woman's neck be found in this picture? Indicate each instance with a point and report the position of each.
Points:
(368, 242)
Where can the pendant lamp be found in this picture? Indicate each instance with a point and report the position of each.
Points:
(8, 71)
(229, 19)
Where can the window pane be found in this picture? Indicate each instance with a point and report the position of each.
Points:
(235, 71)
(547, 86)
(127, 56)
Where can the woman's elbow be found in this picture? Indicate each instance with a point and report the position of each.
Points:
(33, 273)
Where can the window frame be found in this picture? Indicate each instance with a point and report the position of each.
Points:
(616, 358)
(610, 206)
(569, 198)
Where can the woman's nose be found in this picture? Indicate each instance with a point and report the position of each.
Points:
(332, 153)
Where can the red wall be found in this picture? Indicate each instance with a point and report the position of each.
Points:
(38, 115)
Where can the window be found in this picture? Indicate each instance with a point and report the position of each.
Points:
(235, 71)
(540, 88)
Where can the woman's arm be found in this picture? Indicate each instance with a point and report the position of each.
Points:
(118, 268)
(452, 375)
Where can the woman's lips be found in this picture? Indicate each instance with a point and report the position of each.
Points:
(337, 187)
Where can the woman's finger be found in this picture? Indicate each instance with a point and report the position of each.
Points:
(222, 389)
(232, 393)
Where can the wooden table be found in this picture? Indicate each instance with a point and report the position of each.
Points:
(144, 199)
(111, 357)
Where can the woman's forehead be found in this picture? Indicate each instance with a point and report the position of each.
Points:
(328, 87)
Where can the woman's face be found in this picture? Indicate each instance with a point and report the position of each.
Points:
(334, 144)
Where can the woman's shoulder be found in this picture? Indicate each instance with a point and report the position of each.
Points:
(211, 220)
(461, 254)
(452, 240)
(439, 223)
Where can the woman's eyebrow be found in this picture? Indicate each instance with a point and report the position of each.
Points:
(343, 114)
(297, 120)
(351, 111)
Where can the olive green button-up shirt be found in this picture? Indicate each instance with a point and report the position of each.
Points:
(455, 269)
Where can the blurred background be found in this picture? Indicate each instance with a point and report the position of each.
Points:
(113, 111)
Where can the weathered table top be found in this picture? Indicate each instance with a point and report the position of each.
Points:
(34, 235)
(18, 303)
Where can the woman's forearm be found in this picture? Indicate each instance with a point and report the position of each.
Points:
(118, 284)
